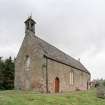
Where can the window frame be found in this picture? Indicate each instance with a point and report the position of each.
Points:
(27, 63)
(71, 78)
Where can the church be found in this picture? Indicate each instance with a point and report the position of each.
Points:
(42, 67)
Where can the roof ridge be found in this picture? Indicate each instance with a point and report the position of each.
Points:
(64, 58)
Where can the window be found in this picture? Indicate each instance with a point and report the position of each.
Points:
(81, 78)
(27, 63)
(71, 78)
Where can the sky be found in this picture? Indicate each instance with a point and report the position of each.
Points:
(77, 27)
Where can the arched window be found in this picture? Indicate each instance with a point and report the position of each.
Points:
(27, 63)
(71, 77)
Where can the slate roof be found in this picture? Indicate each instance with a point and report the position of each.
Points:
(55, 54)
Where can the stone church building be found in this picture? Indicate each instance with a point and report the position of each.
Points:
(42, 67)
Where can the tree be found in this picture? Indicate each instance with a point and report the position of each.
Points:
(1, 73)
(7, 73)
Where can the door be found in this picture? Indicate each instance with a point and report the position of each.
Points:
(56, 85)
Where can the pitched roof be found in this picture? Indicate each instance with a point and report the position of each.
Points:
(54, 53)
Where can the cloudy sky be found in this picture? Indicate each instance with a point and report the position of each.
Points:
(75, 26)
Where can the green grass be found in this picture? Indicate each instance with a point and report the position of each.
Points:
(32, 98)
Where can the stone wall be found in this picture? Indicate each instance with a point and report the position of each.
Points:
(32, 79)
(35, 77)
(62, 71)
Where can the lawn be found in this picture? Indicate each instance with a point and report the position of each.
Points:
(31, 98)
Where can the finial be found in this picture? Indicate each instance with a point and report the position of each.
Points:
(30, 15)
(79, 59)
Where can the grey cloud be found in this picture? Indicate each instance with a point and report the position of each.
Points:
(75, 26)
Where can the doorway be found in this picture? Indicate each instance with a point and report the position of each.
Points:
(56, 85)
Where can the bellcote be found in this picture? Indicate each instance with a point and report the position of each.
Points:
(30, 25)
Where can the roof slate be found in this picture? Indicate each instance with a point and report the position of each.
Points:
(54, 53)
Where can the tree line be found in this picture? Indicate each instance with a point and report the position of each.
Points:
(7, 69)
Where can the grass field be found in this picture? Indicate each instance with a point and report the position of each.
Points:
(32, 98)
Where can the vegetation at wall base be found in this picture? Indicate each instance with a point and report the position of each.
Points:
(13, 97)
